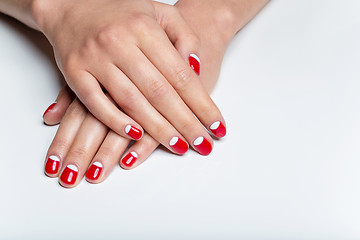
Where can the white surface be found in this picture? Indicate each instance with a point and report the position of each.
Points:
(288, 169)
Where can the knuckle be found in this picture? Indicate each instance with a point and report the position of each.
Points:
(78, 152)
(75, 111)
(108, 35)
(59, 145)
(141, 23)
(189, 127)
(193, 41)
(69, 63)
(182, 79)
(106, 154)
(128, 101)
(157, 90)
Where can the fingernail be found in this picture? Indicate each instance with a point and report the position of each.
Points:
(179, 145)
(129, 159)
(218, 129)
(203, 146)
(49, 108)
(69, 174)
(133, 132)
(52, 165)
(194, 62)
(94, 171)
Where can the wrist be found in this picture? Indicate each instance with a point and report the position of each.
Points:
(224, 17)
(44, 13)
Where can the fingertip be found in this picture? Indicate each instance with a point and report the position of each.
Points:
(94, 172)
(129, 160)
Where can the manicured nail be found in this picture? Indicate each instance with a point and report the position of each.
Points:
(52, 165)
(203, 146)
(94, 171)
(179, 145)
(194, 62)
(129, 159)
(49, 108)
(218, 129)
(69, 174)
(133, 132)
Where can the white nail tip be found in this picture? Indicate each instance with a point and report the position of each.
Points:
(195, 56)
(73, 167)
(98, 164)
(127, 128)
(215, 125)
(55, 158)
(198, 141)
(134, 154)
(173, 141)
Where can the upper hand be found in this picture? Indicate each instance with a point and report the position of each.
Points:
(120, 46)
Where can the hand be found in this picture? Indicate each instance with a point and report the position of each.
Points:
(146, 145)
(118, 45)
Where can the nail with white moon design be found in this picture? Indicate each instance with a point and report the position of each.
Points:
(55, 158)
(127, 128)
(98, 164)
(198, 141)
(134, 154)
(72, 167)
(173, 141)
(215, 125)
(195, 56)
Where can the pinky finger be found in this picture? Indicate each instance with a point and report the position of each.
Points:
(138, 152)
(55, 112)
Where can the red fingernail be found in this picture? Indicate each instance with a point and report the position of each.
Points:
(179, 145)
(69, 174)
(94, 171)
(133, 132)
(129, 159)
(203, 146)
(49, 108)
(194, 62)
(52, 165)
(218, 129)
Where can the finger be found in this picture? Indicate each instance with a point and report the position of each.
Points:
(64, 137)
(138, 152)
(184, 81)
(180, 34)
(84, 147)
(106, 157)
(92, 96)
(133, 102)
(165, 99)
(56, 110)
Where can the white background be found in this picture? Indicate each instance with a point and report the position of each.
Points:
(288, 168)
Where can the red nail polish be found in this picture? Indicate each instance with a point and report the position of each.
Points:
(203, 146)
(179, 145)
(49, 108)
(133, 132)
(52, 165)
(194, 62)
(129, 159)
(218, 129)
(69, 174)
(94, 171)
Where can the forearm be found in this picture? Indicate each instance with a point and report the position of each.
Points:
(225, 17)
(21, 10)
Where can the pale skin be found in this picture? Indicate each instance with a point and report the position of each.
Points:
(208, 28)
(119, 46)
(82, 140)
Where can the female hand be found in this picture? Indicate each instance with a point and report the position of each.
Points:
(119, 46)
(64, 147)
